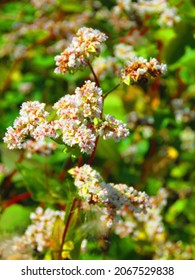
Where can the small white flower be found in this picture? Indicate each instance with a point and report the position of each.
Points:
(39, 232)
(94, 190)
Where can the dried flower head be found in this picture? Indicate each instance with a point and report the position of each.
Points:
(139, 69)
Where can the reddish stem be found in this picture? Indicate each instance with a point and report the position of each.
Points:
(79, 165)
(80, 161)
(93, 153)
(64, 171)
(94, 74)
(17, 199)
(66, 227)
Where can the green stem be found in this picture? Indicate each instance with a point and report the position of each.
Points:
(111, 90)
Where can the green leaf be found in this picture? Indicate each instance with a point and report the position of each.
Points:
(113, 105)
(57, 233)
(176, 209)
(188, 60)
(154, 185)
(167, 33)
(71, 6)
(142, 148)
(15, 218)
(9, 157)
(43, 62)
(179, 184)
(180, 170)
(97, 121)
(127, 81)
(42, 186)
(107, 150)
(177, 46)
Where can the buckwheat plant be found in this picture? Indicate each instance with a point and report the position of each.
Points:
(39, 234)
(77, 121)
(138, 10)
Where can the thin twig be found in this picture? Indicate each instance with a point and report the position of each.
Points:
(80, 161)
(64, 171)
(111, 90)
(94, 74)
(17, 199)
(94, 151)
(67, 227)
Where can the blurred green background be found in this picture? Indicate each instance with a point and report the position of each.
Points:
(158, 154)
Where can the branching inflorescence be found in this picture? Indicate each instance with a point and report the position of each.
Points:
(79, 122)
(93, 189)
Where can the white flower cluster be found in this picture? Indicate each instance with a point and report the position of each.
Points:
(187, 138)
(8, 252)
(77, 113)
(113, 129)
(25, 87)
(39, 232)
(77, 119)
(83, 48)
(174, 251)
(31, 122)
(39, 147)
(182, 112)
(138, 69)
(42, 3)
(60, 29)
(167, 15)
(94, 190)
(143, 7)
(149, 225)
(119, 19)
(124, 51)
(124, 5)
